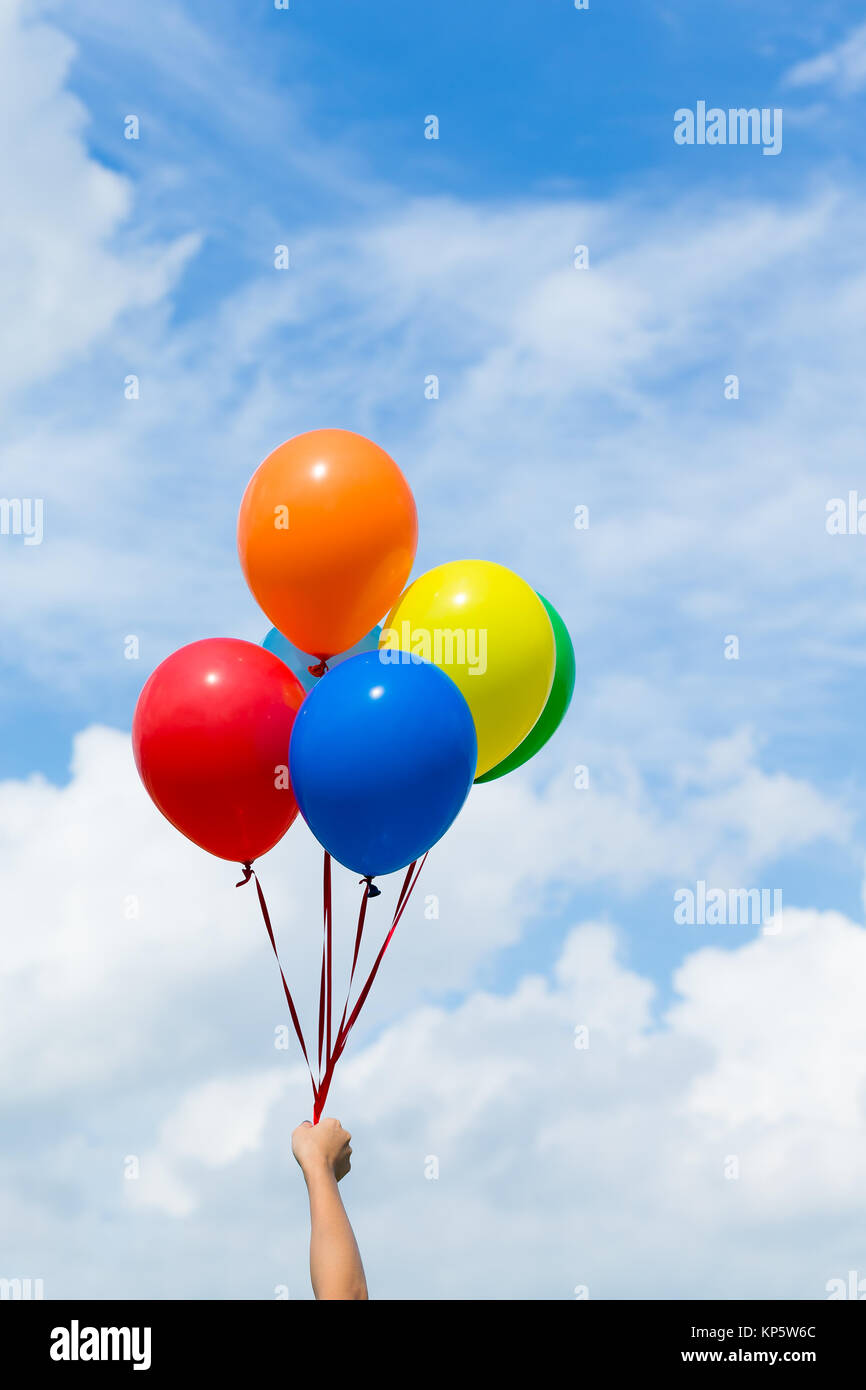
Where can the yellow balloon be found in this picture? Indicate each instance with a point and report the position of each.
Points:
(489, 631)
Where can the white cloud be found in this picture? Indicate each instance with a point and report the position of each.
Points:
(711, 1144)
(116, 926)
(214, 1124)
(63, 281)
(843, 67)
(154, 1036)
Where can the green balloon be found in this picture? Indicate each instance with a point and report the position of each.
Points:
(558, 702)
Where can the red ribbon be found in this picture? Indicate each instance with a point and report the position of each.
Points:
(346, 1026)
(325, 983)
(359, 932)
(334, 1047)
(249, 872)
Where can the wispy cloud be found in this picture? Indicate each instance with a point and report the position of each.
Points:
(842, 67)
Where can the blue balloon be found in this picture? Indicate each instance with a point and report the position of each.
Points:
(299, 662)
(381, 759)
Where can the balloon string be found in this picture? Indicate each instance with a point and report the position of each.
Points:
(321, 1009)
(329, 942)
(359, 932)
(346, 1027)
(249, 872)
(324, 982)
(335, 1047)
(402, 903)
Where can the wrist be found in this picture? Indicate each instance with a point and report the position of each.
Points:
(317, 1169)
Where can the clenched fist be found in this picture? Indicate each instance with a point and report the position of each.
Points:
(325, 1145)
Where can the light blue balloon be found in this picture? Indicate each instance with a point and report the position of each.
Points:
(298, 662)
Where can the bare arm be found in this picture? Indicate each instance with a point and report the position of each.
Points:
(324, 1153)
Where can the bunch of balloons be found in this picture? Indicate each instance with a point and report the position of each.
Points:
(375, 733)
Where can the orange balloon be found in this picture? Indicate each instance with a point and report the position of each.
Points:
(326, 536)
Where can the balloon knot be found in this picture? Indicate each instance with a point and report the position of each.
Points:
(248, 873)
(372, 890)
(319, 669)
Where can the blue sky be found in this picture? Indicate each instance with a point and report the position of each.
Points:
(533, 97)
(547, 102)
(558, 387)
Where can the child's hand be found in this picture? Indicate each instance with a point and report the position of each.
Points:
(325, 1145)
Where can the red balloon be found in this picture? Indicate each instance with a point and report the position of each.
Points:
(211, 742)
